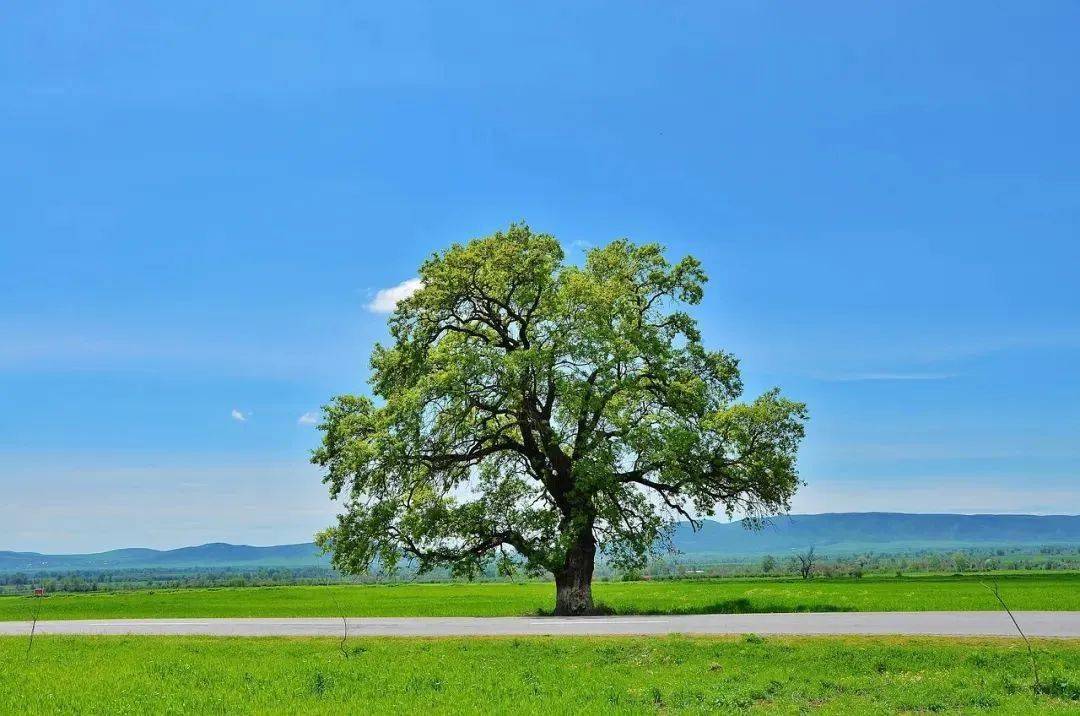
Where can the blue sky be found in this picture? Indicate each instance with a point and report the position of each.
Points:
(199, 201)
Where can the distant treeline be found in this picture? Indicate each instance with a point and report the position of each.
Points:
(1055, 557)
(1021, 558)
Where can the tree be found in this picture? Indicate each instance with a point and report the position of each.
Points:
(534, 412)
(806, 563)
(768, 564)
(961, 561)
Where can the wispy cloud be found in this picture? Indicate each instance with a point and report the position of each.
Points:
(209, 506)
(239, 416)
(941, 493)
(857, 377)
(387, 298)
(308, 418)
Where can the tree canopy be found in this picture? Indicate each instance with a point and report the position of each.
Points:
(535, 411)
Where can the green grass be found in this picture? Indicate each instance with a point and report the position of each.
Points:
(134, 675)
(1021, 591)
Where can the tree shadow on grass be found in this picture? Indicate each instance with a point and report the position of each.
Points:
(728, 606)
(599, 610)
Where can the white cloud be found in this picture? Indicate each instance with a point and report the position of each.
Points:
(308, 418)
(387, 298)
(943, 493)
(239, 416)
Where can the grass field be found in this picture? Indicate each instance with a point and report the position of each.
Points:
(119, 675)
(1021, 591)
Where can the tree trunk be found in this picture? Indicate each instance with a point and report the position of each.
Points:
(573, 583)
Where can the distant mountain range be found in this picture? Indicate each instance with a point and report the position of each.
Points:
(847, 532)
(833, 533)
(207, 556)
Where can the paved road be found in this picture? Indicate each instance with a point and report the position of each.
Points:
(1046, 624)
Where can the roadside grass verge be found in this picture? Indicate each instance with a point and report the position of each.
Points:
(720, 596)
(67, 674)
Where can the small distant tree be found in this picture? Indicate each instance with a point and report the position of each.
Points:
(961, 562)
(805, 563)
(535, 412)
(768, 564)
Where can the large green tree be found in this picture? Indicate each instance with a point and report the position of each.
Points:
(534, 411)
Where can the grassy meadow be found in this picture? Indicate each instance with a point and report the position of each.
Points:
(134, 675)
(1031, 591)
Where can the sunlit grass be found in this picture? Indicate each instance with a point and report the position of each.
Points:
(118, 675)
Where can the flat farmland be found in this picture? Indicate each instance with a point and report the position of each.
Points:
(1051, 592)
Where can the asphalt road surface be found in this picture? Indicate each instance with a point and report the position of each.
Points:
(1043, 624)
